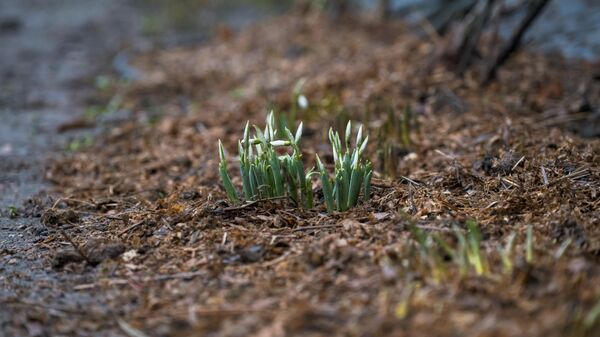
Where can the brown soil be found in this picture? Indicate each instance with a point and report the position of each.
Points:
(173, 257)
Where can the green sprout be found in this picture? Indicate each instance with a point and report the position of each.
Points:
(529, 245)
(466, 255)
(592, 317)
(429, 253)
(79, 144)
(12, 212)
(506, 253)
(563, 248)
(351, 172)
(471, 248)
(403, 307)
(394, 136)
(299, 103)
(265, 173)
(229, 189)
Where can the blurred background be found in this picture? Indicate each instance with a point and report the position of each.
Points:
(54, 52)
(109, 109)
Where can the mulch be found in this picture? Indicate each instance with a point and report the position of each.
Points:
(188, 262)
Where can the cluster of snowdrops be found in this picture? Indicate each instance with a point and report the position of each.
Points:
(267, 173)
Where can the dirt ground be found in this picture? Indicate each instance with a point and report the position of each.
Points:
(136, 237)
(45, 73)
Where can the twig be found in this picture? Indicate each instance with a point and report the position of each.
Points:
(59, 200)
(380, 183)
(42, 305)
(510, 182)
(445, 155)
(111, 282)
(307, 228)
(247, 204)
(224, 241)
(112, 217)
(577, 174)
(276, 260)
(429, 29)
(544, 176)
(75, 245)
(290, 214)
(433, 228)
(219, 312)
(126, 230)
(184, 275)
(517, 164)
(129, 330)
(230, 312)
(476, 21)
(534, 10)
(410, 181)
(411, 196)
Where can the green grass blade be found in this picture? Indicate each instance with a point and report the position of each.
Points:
(229, 189)
(347, 135)
(363, 146)
(289, 176)
(246, 181)
(506, 253)
(445, 246)
(592, 317)
(227, 184)
(340, 192)
(277, 178)
(354, 189)
(461, 251)
(328, 194)
(367, 182)
(298, 134)
(529, 245)
(260, 135)
(474, 240)
(309, 192)
(327, 191)
(253, 183)
(359, 136)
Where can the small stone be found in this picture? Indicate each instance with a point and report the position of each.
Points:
(129, 255)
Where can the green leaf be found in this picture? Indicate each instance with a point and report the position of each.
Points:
(354, 190)
(348, 134)
(367, 182)
(221, 152)
(242, 152)
(359, 136)
(289, 135)
(229, 189)
(327, 191)
(246, 139)
(341, 192)
(245, 181)
(506, 253)
(260, 135)
(363, 146)
(309, 192)
(298, 134)
(529, 245)
(253, 183)
(474, 241)
(290, 178)
(227, 184)
(277, 178)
